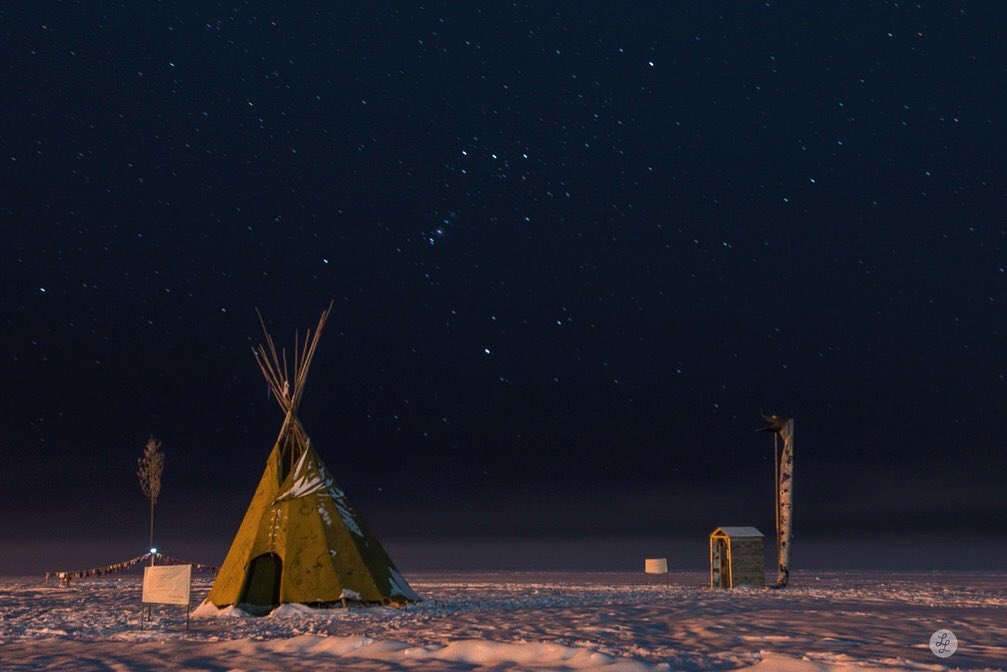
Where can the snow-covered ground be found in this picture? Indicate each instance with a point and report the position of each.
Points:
(522, 621)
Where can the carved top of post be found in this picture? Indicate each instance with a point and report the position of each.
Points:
(776, 423)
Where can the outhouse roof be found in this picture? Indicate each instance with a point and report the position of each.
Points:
(737, 531)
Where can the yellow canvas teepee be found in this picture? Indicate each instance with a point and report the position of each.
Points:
(301, 540)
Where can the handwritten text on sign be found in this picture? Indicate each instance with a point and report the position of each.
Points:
(167, 584)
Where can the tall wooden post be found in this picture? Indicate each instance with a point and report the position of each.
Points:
(151, 547)
(783, 477)
(784, 532)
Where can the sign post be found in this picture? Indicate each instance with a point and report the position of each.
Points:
(167, 584)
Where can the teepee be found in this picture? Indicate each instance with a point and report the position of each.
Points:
(301, 540)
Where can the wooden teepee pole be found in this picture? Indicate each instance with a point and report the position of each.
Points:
(275, 369)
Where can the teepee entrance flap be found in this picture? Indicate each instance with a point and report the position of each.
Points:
(262, 582)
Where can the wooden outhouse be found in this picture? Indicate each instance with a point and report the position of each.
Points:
(736, 558)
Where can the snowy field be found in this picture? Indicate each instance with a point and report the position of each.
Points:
(528, 621)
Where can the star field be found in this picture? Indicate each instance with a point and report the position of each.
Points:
(572, 248)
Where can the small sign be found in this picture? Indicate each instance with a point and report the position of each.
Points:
(655, 565)
(167, 584)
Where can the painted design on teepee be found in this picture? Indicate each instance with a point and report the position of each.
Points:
(300, 539)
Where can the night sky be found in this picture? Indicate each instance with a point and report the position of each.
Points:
(574, 250)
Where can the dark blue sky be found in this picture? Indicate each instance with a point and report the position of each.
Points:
(574, 249)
